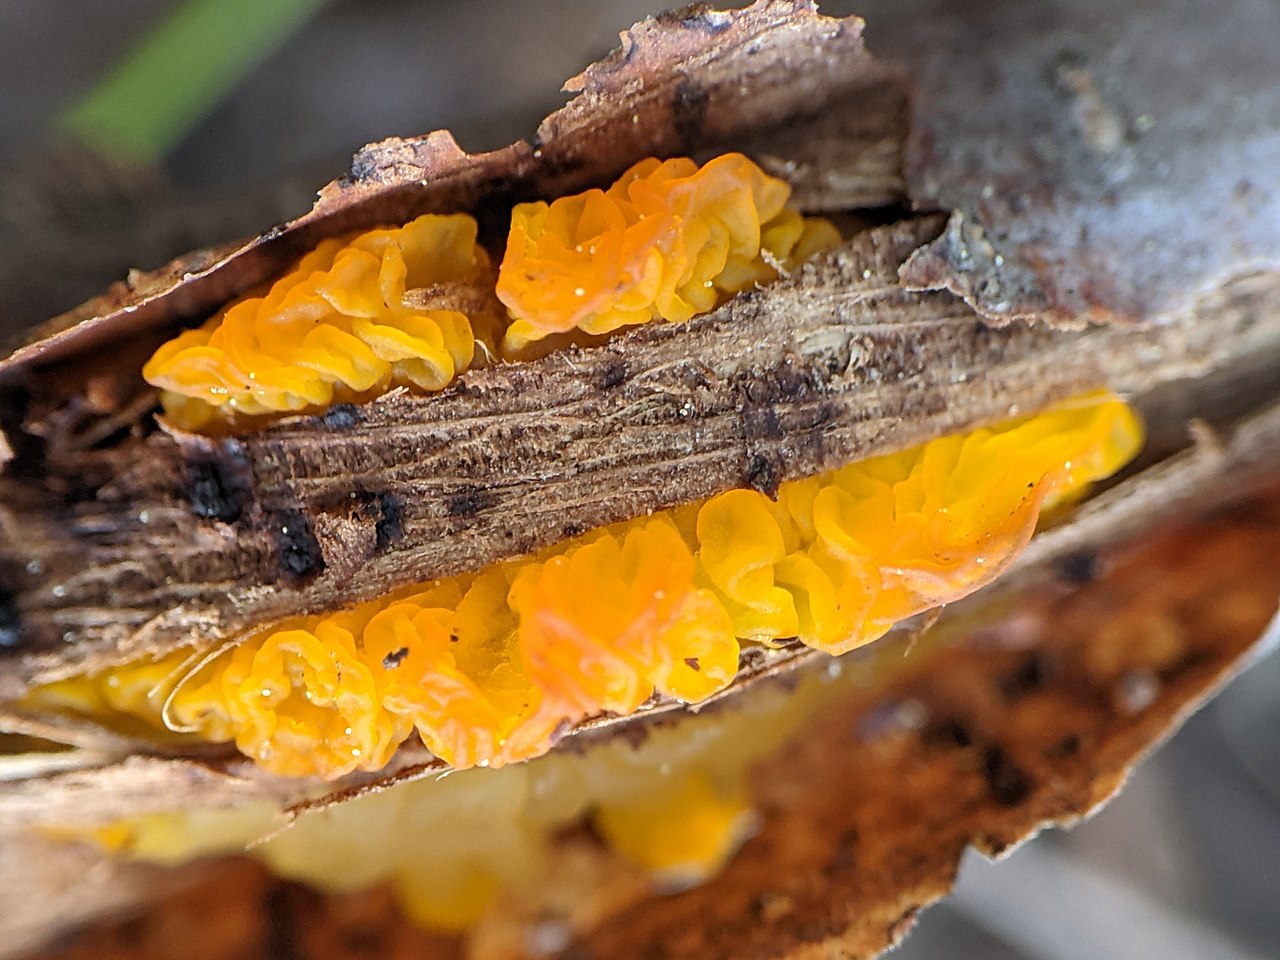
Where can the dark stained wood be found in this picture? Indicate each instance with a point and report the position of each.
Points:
(141, 540)
(180, 538)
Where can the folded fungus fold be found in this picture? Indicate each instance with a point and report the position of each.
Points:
(456, 850)
(458, 741)
(340, 325)
(668, 240)
(489, 667)
(407, 306)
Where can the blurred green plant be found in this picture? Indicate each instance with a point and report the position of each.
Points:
(178, 73)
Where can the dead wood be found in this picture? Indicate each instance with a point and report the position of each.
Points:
(116, 544)
(179, 538)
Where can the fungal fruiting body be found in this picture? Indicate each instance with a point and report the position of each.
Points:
(406, 306)
(400, 306)
(489, 667)
(668, 240)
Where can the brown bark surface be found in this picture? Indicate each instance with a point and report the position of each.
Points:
(117, 539)
(179, 538)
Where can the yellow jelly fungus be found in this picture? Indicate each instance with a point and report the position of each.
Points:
(356, 316)
(490, 667)
(406, 306)
(668, 240)
(605, 624)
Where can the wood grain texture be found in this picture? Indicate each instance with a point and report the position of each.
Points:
(1091, 175)
(178, 538)
(117, 543)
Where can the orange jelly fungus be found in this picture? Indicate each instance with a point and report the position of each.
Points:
(355, 317)
(668, 240)
(490, 667)
(405, 306)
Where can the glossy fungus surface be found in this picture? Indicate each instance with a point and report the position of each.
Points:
(399, 306)
(668, 241)
(407, 306)
(488, 668)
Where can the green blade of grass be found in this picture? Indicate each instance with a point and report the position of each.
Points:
(178, 73)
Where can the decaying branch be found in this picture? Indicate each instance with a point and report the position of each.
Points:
(197, 539)
(1001, 256)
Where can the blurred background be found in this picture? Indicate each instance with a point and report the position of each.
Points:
(134, 130)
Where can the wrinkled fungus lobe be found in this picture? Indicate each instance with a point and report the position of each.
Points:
(489, 667)
(406, 306)
(668, 240)
(399, 306)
